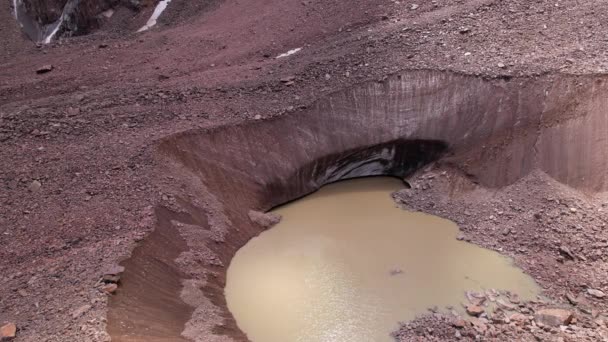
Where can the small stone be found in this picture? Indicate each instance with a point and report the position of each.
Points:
(81, 311)
(8, 332)
(327, 77)
(505, 305)
(501, 65)
(596, 293)
(414, 7)
(257, 117)
(573, 210)
(109, 288)
(479, 325)
(288, 79)
(103, 45)
(570, 297)
(35, 186)
(395, 271)
(459, 323)
(554, 317)
(44, 69)
(474, 310)
(518, 318)
(460, 237)
(514, 298)
(566, 252)
(464, 30)
(266, 220)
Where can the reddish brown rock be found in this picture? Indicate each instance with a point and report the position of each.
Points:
(475, 310)
(44, 69)
(554, 317)
(479, 325)
(518, 318)
(266, 220)
(459, 323)
(109, 288)
(596, 293)
(8, 332)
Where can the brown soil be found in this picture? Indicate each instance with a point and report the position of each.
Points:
(98, 134)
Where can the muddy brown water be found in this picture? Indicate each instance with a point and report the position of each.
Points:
(345, 264)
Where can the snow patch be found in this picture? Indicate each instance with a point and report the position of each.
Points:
(48, 38)
(289, 53)
(15, 4)
(160, 8)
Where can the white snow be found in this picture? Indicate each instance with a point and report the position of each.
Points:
(15, 8)
(52, 34)
(289, 53)
(160, 8)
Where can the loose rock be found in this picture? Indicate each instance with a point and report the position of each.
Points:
(475, 310)
(596, 293)
(459, 323)
(570, 297)
(44, 69)
(109, 288)
(8, 332)
(518, 318)
(266, 220)
(80, 311)
(554, 317)
(35, 186)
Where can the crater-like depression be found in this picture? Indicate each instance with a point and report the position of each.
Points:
(492, 132)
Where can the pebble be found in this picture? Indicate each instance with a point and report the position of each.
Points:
(518, 318)
(8, 331)
(81, 311)
(109, 288)
(459, 323)
(596, 293)
(44, 69)
(554, 317)
(288, 79)
(475, 310)
(570, 297)
(35, 186)
(265, 220)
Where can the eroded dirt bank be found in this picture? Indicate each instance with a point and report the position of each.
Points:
(81, 179)
(496, 132)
